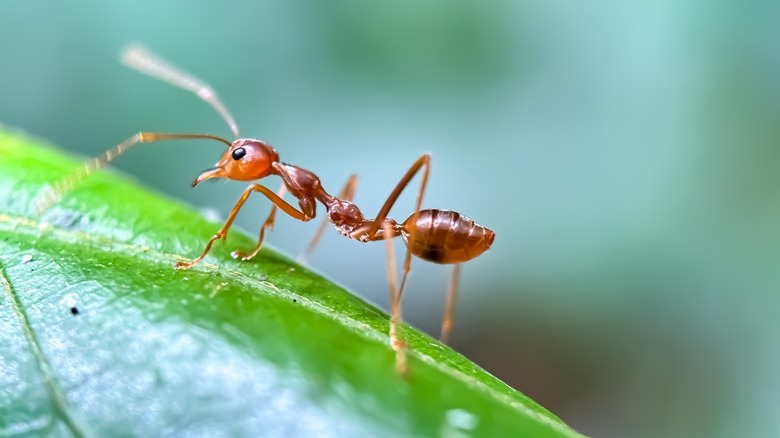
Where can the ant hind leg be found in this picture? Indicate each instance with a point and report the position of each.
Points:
(398, 345)
(449, 309)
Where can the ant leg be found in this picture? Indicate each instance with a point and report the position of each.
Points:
(449, 309)
(407, 266)
(423, 162)
(398, 345)
(269, 223)
(54, 193)
(347, 194)
(222, 233)
(369, 231)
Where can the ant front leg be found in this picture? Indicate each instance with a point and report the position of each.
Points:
(269, 223)
(222, 233)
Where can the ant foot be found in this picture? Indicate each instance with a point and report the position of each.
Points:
(240, 255)
(183, 265)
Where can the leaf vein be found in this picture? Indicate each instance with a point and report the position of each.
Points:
(56, 394)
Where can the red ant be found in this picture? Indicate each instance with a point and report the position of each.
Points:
(439, 236)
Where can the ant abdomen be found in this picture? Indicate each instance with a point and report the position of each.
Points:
(445, 236)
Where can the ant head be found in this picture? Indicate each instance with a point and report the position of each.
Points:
(245, 160)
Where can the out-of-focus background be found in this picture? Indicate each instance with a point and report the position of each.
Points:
(625, 153)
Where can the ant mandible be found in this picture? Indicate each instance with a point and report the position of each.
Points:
(439, 236)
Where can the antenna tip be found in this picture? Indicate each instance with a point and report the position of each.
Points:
(132, 52)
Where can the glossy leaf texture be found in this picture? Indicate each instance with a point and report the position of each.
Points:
(100, 336)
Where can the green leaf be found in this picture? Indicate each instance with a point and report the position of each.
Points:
(100, 336)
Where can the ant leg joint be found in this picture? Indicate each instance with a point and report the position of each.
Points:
(398, 344)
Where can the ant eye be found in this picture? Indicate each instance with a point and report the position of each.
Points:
(238, 153)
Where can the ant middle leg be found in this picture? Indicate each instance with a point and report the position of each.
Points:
(222, 233)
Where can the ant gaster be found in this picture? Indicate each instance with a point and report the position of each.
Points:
(439, 236)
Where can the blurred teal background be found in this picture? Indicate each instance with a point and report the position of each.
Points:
(625, 153)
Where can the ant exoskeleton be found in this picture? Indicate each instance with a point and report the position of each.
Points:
(439, 236)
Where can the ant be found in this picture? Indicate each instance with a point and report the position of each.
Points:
(439, 236)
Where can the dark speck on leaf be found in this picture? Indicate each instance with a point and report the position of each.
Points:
(74, 310)
(294, 300)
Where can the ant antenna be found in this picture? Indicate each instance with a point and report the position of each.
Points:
(141, 59)
(53, 194)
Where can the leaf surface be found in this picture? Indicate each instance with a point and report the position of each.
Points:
(100, 336)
